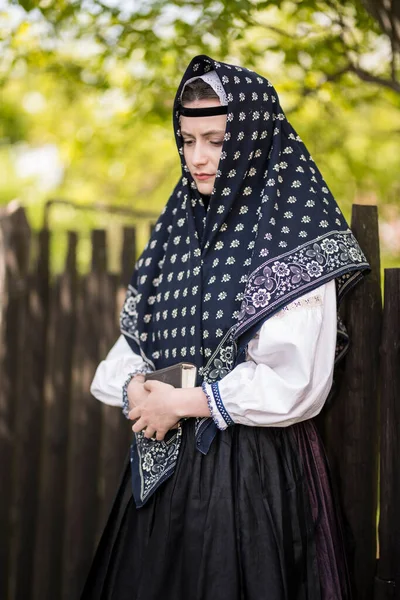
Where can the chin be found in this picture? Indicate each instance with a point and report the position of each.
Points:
(205, 187)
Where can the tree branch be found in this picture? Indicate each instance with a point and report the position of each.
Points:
(390, 84)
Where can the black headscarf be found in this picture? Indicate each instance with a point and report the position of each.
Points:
(208, 278)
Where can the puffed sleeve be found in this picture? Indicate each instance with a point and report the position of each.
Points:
(112, 373)
(288, 371)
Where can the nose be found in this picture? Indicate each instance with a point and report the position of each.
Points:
(199, 156)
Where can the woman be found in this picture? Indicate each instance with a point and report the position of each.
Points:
(241, 276)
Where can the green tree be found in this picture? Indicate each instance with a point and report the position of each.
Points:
(96, 80)
(319, 41)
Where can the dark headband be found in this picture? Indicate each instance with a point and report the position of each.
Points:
(210, 111)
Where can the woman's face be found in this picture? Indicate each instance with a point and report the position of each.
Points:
(202, 144)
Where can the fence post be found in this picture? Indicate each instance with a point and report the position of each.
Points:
(116, 433)
(128, 255)
(115, 428)
(15, 261)
(57, 392)
(85, 429)
(3, 295)
(388, 574)
(351, 423)
(29, 422)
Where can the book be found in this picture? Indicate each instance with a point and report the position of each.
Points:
(181, 375)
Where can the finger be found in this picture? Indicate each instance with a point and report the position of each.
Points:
(139, 425)
(149, 432)
(160, 435)
(139, 378)
(134, 413)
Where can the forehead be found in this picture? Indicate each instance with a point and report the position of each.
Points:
(200, 125)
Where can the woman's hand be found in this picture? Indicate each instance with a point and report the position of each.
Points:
(136, 392)
(158, 413)
(165, 406)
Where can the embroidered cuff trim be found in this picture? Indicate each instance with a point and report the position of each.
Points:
(220, 404)
(125, 399)
(217, 409)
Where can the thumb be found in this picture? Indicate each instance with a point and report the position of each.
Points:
(153, 385)
(150, 386)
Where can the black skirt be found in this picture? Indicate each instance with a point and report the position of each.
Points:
(251, 520)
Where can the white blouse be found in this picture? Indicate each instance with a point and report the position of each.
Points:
(286, 377)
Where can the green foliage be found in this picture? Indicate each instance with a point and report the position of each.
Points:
(12, 124)
(95, 82)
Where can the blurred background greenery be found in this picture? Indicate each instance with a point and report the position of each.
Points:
(87, 89)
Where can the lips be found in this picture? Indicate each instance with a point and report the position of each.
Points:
(203, 176)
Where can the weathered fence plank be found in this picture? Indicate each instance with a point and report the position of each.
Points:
(85, 432)
(16, 239)
(351, 430)
(116, 433)
(57, 393)
(128, 259)
(115, 429)
(29, 403)
(387, 585)
(128, 255)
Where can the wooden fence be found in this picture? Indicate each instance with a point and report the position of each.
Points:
(61, 451)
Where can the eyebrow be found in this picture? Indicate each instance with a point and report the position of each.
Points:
(206, 133)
